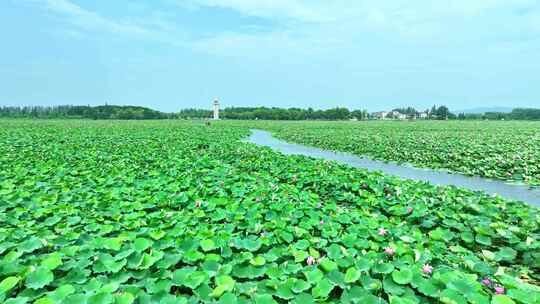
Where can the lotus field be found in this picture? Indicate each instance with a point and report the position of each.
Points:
(104, 212)
(494, 149)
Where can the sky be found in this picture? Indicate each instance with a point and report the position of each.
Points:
(360, 54)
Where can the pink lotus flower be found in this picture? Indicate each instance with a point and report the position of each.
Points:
(427, 269)
(310, 260)
(198, 204)
(409, 210)
(321, 222)
(389, 250)
(486, 282)
(499, 290)
(382, 231)
(319, 205)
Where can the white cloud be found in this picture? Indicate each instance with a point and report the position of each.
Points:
(279, 9)
(315, 27)
(90, 21)
(393, 15)
(320, 26)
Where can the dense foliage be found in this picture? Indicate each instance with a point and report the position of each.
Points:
(172, 212)
(248, 113)
(252, 113)
(516, 114)
(501, 150)
(89, 112)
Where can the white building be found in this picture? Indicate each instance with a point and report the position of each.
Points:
(398, 115)
(380, 115)
(216, 109)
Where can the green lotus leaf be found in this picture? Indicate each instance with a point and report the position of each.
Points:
(258, 261)
(322, 289)
(60, 293)
(203, 292)
(402, 300)
(403, 276)
(370, 283)
(44, 301)
(526, 295)
(502, 299)
(328, 265)
(228, 298)
(18, 300)
(300, 286)
(181, 275)
(113, 243)
(362, 264)
(449, 296)
(8, 283)
(39, 278)
(30, 245)
(302, 245)
(193, 256)
(337, 278)
(224, 283)
(478, 298)
(157, 234)
(284, 290)
(52, 261)
(428, 288)
(207, 245)
(483, 240)
(384, 268)
(506, 254)
(171, 299)
(264, 299)
(252, 245)
(141, 244)
(148, 260)
(390, 287)
(303, 298)
(195, 279)
(313, 276)
(77, 298)
(352, 275)
(464, 286)
(101, 298)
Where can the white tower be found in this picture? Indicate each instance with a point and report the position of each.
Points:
(216, 109)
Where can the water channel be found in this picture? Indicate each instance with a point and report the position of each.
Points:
(438, 177)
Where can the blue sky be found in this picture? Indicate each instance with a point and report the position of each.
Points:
(172, 54)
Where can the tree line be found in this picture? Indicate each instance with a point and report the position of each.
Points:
(250, 113)
(264, 113)
(516, 114)
(87, 112)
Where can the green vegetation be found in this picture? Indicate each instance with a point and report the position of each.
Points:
(248, 113)
(516, 114)
(175, 212)
(88, 112)
(501, 150)
(252, 113)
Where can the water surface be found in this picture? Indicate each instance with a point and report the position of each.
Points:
(510, 191)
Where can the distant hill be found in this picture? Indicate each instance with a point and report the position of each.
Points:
(485, 110)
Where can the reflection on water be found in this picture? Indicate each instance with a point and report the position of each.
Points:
(510, 191)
